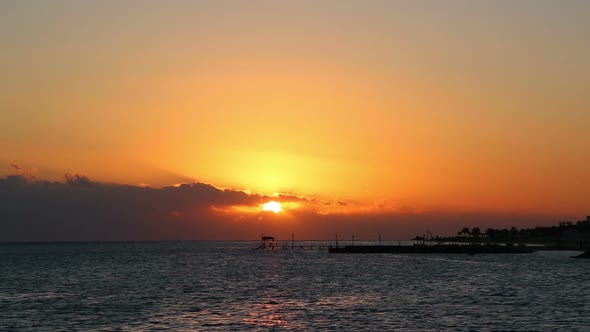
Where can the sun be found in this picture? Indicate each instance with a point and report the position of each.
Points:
(272, 206)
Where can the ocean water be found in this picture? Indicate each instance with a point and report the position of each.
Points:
(208, 286)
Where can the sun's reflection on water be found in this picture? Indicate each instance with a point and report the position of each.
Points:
(269, 314)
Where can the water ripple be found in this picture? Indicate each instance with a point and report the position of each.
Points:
(194, 286)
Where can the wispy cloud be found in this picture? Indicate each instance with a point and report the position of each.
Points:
(23, 171)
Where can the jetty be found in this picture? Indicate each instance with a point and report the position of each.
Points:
(470, 249)
(422, 247)
(269, 243)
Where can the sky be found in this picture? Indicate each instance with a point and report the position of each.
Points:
(358, 116)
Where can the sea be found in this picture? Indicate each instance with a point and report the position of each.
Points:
(229, 286)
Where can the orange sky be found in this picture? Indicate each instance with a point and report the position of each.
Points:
(429, 106)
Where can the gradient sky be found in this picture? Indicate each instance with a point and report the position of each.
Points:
(464, 107)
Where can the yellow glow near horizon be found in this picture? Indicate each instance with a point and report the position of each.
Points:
(363, 102)
(272, 206)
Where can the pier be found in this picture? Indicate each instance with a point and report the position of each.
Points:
(470, 249)
(419, 247)
(269, 243)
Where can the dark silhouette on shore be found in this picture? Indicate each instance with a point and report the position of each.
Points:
(565, 236)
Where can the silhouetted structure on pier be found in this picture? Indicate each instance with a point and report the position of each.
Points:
(269, 243)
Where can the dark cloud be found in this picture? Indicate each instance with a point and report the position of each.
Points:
(79, 209)
(78, 180)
